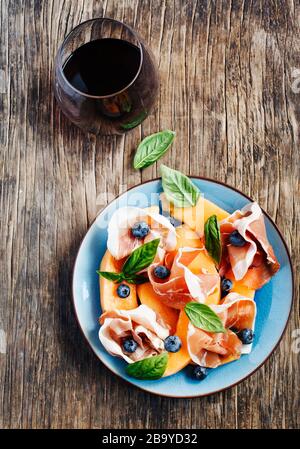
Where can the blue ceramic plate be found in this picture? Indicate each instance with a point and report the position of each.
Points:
(273, 301)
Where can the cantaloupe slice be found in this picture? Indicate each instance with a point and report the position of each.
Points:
(151, 299)
(178, 360)
(195, 217)
(192, 216)
(242, 290)
(108, 289)
(203, 260)
(212, 209)
(186, 237)
(238, 286)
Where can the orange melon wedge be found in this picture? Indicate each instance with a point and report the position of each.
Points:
(238, 286)
(151, 299)
(179, 360)
(109, 298)
(203, 260)
(186, 237)
(212, 209)
(196, 216)
(192, 216)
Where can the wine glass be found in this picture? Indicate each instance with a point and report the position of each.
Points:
(105, 78)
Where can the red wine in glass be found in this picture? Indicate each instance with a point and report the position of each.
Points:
(106, 80)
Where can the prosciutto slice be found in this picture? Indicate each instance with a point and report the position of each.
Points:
(255, 262)
(182, 285)
(142, 324)
(213, 349)
(121, 242)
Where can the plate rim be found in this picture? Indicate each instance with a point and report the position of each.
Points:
(201, 178)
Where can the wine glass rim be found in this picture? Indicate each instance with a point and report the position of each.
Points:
(60, 65)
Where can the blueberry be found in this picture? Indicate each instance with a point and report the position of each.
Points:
(140, 229)
(226, 286)
(161, 272)
(236, 239)
(199, 372)
(174, 222)
(172, 343)
(129, 345)
(123, 291)
(246, 336)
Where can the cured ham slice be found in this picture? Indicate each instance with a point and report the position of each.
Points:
(121, 242)
(255, 262)
(142, 324)
(214, 349)
(183, 285)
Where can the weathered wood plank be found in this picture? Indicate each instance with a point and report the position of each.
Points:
(229, 88)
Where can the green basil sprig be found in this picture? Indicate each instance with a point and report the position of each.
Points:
(135, 122)
(152, 148)
(202, 316)
(150, 368)
(115, 277)
(213, 238)
(120, 277)
(138, 260)
(178, 188)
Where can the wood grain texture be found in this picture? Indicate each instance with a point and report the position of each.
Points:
(228, 88)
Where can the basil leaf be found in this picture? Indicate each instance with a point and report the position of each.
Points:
(136, 279)
(120, 277)
(152, 148)
(202, 316)
(125, 101)
(140, 258)
(178, 188)
(213, 238)
(135, 122)
(150, 368)
(115, 277)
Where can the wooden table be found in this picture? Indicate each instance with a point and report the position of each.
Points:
(230, 87)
